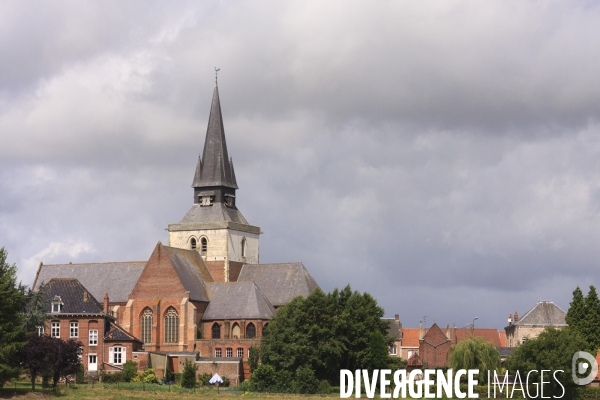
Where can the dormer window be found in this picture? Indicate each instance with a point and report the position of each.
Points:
(57, 305)
(206, 201)
(229, 200)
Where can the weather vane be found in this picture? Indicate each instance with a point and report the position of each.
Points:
(216, 72)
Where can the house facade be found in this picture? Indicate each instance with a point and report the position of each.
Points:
(533, 322)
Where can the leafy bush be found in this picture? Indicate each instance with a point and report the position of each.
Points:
(325, 388)
(306, 380)
(169, 376)
(147, 376)
(80, 375)
(112, 378)
(129, 370)
(226, 382)
(203, 379)
(188, 378)
(264, 377)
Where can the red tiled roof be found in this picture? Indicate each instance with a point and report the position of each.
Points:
(410, 337)
(502, 339)
(490, 335)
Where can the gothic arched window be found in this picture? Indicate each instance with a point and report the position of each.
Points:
(171, 326)
(250, 331)
(216, 331)
(146, 324)
(235, 332)
(203, 246)
(193, 243)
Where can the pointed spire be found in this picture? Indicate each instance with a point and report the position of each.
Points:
(214, 167)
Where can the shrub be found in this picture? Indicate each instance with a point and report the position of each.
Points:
(112, 378)
(129, 370)
(325, 388)
(80, 375)
(226, 382)
(203, 379)
(306, 380)
(147, 376)
(264, 377)
(188, 377)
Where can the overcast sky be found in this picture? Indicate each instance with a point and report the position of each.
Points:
(443, 156)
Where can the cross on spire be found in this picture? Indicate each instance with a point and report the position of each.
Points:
(216, 72)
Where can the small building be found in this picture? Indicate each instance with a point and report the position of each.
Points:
(434, 348)
(395, 332)
(541, 316)
(76, 314)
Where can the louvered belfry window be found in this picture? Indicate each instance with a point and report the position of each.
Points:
(171, 325)
(147, 326)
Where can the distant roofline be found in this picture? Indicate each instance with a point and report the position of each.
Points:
(89, 263)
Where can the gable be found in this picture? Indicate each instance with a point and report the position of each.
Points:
(435, 336)
(544, 313)
(173, 272)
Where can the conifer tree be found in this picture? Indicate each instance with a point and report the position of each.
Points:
(576, 315)
(12, 301)
(591, 328)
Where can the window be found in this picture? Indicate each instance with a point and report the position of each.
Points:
(217, 352)
(203, 246)
(236, 332)
(146, 324)
(93, 335)
(229, 352)
(240, 352)
(393, 350)
(523, 340)
(243, 247)
(55, 329)
(116, 355)
(40, 330)
(193, 243)
(216, 331)
(74, 329)
(171, 326)
(56, 305)
(250, 331)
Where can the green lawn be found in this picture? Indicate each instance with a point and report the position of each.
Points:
(135, 391)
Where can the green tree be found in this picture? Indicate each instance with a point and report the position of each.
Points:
(552, 350)
(475, 353)
(253, 358)
(326, 333)
(188, 377)
(591, 320)
(36, 312)
(12, 302)
(576, 313)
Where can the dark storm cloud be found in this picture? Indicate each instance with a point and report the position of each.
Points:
(442, 156)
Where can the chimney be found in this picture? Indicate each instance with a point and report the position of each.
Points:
(106, 303)
(448, 330)
(397, 317)
(516, 317)
(510, 319)
(420, 330)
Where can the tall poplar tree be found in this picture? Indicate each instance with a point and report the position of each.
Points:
(576, 315)
(12, 302)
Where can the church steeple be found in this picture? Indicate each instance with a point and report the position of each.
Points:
(215, 168)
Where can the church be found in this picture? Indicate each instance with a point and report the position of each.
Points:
(204, 297)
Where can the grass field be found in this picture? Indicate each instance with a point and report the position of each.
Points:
(136, 391)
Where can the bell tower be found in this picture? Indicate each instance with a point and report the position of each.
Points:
(214, 226)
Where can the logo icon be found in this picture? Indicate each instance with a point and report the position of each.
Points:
(581, 367)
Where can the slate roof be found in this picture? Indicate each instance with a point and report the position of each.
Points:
(217, 212)
(279, 282)
(115, 278)
(394, 328)
(215, 168)
(237, 300)
(115, 332)
(191, 269)
(72, 296)
(544, 313)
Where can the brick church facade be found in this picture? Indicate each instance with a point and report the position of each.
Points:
(205, 296)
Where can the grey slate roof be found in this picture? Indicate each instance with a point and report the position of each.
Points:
(215, 168)
(115, 332)
(217, 212)
(280, 282)
(237, 300)
(192, 271)
(394, 328)
(72, 296)
(544, 313)
(115, 278)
